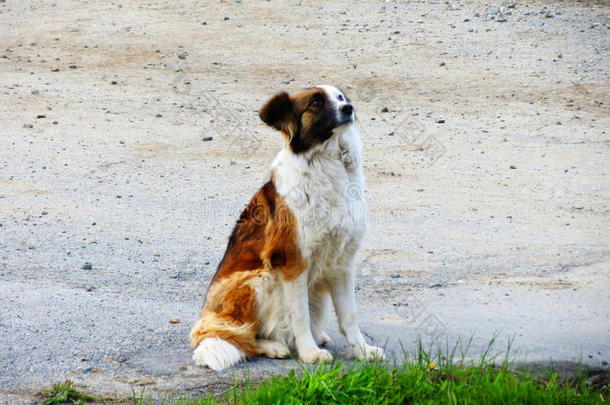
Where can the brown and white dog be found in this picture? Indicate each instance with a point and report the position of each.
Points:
(291, 253)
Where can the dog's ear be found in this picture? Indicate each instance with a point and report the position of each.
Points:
(277, 111)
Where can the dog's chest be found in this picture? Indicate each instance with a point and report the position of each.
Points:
(333, 213)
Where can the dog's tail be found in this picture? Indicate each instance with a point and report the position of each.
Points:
(217, 354)
(220, 343)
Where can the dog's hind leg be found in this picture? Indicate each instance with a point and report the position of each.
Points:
(225, 334)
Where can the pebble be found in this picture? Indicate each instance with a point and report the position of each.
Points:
(207, 138)
(174, 320)
(158, 115)
(182, 55)
(384, 110)
(28, 126)
(87, 266)
(395, 275)
(512, 167)
(41, 116)
(501, 20)
(113, 82)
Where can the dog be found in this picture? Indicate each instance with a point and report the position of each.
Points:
(291, 253)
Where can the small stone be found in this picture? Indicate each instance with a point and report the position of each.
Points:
(55, 122)
(73, 66)
(158, 115)
(440, 121)
(174, 320)
(501, 20)
(182, 55)
(55, 70)
(114, 82)
(87, 266)
(41, 116)
(512, 167)
(384, 109)
(395, 275)
(226, 18)
(207, 138)
(28, 126)
(442, 64)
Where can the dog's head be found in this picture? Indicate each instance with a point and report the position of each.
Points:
(309, 117)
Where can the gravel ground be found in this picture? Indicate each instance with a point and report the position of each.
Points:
(131, 142)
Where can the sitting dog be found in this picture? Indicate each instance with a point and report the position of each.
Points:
(291, 254)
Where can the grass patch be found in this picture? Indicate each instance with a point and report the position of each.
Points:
(420, 379)
(64, 392)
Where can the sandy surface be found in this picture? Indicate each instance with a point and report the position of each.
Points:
(487, 162)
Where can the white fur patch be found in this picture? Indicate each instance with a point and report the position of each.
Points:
(217, 354)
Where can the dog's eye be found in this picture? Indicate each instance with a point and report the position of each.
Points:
(340, 97)
(316, 101)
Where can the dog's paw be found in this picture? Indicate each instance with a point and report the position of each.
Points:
(274, 349)
(315, 355)
(366, 352)
(323, 339)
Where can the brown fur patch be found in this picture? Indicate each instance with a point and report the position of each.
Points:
(265, 236)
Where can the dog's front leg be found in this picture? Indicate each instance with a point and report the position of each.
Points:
(344, 300)
(296, 296)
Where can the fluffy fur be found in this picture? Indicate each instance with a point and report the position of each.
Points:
(291, 254)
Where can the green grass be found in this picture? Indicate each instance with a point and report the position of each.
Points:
(64, 392)
(420, 379)
(413, 384)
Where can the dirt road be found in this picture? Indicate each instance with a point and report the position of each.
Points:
(486, 138)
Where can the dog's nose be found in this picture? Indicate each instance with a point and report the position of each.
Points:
(347, 109)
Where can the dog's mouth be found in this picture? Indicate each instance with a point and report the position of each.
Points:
(345, 119)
